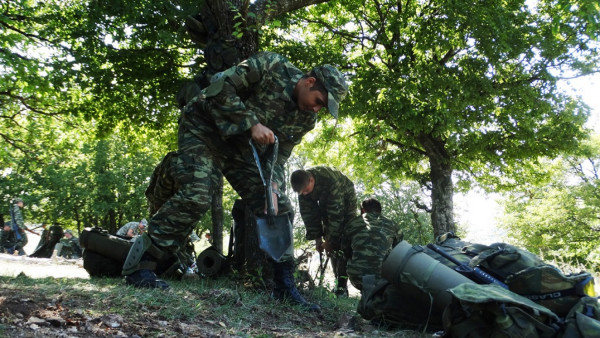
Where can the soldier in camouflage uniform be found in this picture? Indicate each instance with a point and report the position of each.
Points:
(17, 217)
(133, 229)
(371, 237)
(327, 203)
(262, 97)
(8, 240)
(70, 246)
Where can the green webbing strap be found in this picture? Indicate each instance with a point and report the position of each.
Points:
(236, 80)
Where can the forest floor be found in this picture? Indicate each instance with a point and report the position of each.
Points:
(42, 297)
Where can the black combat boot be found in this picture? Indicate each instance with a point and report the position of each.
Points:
(285, 287)
(146, 278)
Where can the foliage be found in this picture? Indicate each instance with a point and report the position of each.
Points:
(79, 180)
(110, 61)
(442, 90)
(559, 218)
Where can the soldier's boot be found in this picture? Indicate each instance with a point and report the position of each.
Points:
(146, 278)
(285, 287)
(341, 289)
(139, 266)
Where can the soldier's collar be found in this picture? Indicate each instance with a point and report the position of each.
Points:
(288, 91)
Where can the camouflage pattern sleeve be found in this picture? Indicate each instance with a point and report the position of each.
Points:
(19, 217)
(335, 212)
(285, 151)
(311, 216)
(227, 107)
(389, 228)
(398, 235)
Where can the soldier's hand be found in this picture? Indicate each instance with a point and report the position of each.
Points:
(262, 134)
(275, 205)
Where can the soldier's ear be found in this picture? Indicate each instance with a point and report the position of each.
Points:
(310, 81)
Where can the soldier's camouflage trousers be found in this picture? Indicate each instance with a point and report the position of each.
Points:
(182, 192)
(370, 247)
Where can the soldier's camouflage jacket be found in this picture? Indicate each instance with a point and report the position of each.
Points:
(330, 206)
(70, 248)
(18, 216)
(128, 226)
(7, 239)
(259, 89)
(371, 237)
(21, 223)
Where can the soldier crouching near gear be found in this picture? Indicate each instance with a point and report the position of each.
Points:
(371, 237)
(8, 240)
(132, 229)
(262, 97)
(70, 246)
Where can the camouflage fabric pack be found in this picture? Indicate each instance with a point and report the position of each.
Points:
(491, 311)
(523, 272)
(583, 320)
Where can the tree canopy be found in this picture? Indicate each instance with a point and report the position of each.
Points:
(442, 94)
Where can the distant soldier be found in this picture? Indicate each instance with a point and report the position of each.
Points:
(133, 229)
(70, 246)
(18, 225)
(327, 203)
(8, 240)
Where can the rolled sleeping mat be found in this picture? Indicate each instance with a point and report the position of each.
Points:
(409, 264)
(210, 262)
(105, 244)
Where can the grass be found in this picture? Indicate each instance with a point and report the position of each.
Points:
(207, 307)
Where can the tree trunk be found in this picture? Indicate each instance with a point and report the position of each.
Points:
(442, 188)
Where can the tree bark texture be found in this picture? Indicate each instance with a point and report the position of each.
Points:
(442, 188)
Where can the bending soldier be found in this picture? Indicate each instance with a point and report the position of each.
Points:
(327, 203)
(133, 229)
(262, 97)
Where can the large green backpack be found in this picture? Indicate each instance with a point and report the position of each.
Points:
(523, 272)
(539, 301)
(489, 310)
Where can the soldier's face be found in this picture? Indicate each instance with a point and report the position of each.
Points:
(309, 100)
(309, 187)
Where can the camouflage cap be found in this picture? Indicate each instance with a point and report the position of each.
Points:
(336, 86)
(17, 200)
(69, 231)
(144, 222)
